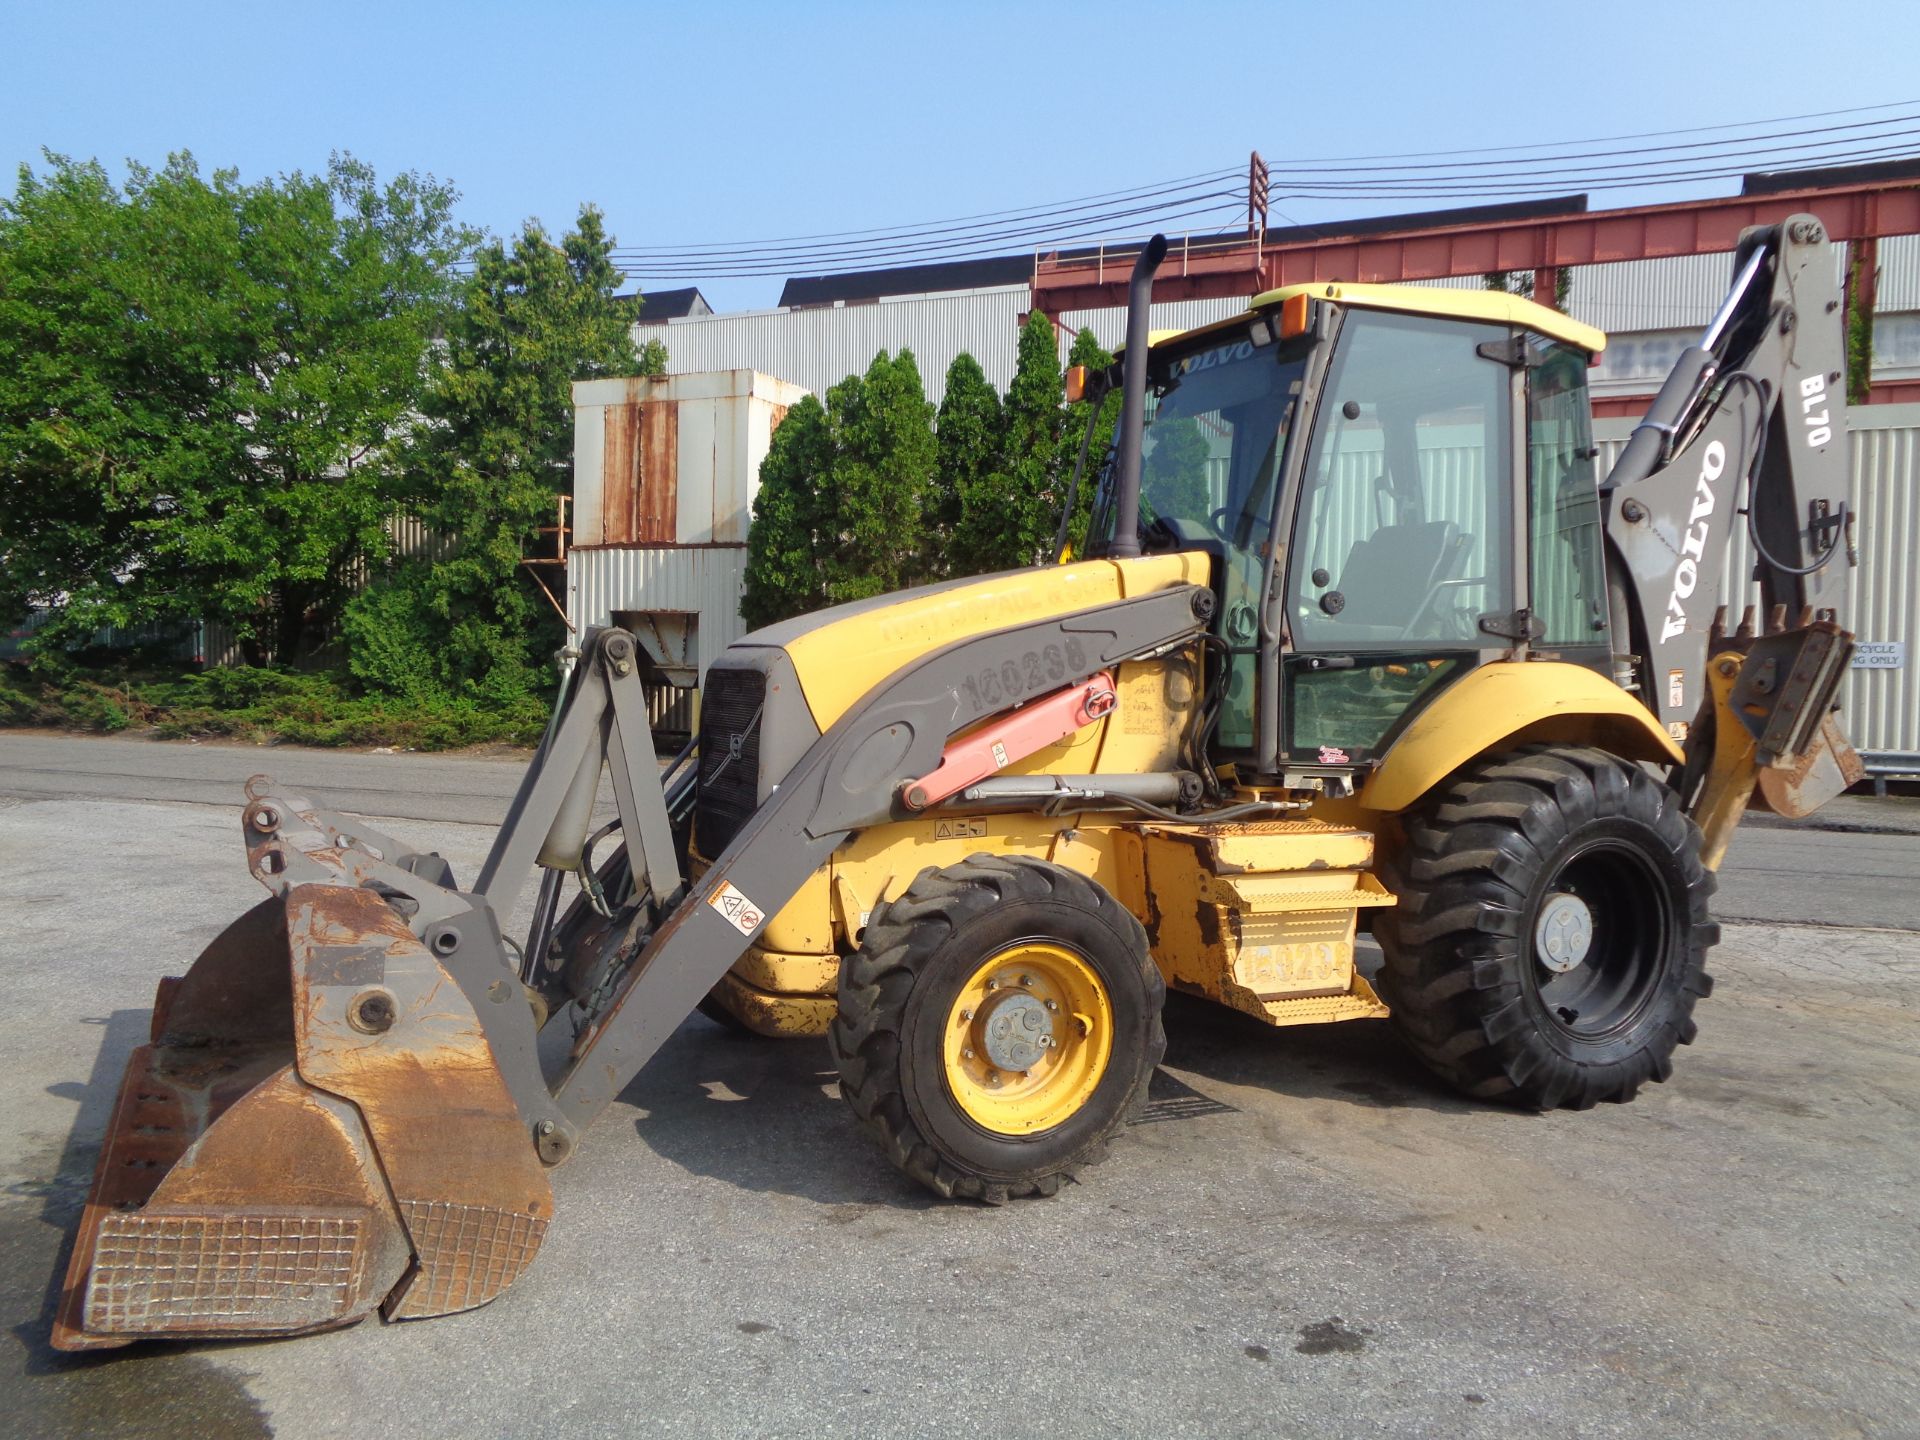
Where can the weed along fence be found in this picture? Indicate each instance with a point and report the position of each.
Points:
(665, 471)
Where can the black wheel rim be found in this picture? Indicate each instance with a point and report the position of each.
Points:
(1629, 949)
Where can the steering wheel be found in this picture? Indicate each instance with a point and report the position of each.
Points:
(1455, 619)
(1184, 533)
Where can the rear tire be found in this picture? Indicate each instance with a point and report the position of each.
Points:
(1552, 930)
(998, 1024)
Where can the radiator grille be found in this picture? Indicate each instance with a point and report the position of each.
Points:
(729, 756)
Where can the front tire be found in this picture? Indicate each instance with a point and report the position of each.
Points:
(1552, 930)
(998, 1024)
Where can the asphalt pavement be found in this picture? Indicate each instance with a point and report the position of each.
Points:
(1305, 1235)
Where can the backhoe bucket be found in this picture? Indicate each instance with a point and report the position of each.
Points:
(1774, 735)
(318, 1128)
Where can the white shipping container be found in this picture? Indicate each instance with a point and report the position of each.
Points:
(1880, 706)
(665, 472)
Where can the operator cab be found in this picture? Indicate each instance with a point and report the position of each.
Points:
(1379, 523)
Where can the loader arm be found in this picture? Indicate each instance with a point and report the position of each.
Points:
(1748, 428)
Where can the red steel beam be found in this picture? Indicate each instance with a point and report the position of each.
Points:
(1688, 227)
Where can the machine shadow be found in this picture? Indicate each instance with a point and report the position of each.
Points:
(1356, 1062)
(763, 1115)
(62, 1187)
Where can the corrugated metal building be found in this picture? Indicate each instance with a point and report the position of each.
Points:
(1881, 705)
(1649, 308)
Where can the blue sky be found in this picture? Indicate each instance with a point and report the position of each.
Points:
(741, 121)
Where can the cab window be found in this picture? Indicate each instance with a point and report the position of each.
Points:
(1403, 533)
(1216, 432)
(1568, 586)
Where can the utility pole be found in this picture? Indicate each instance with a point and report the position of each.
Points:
(1256, 197)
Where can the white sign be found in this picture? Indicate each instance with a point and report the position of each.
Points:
(1880, 655)
(736, 909)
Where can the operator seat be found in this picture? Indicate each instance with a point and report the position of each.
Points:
(1392, 576)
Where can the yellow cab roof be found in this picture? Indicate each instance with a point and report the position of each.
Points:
(1491, 306)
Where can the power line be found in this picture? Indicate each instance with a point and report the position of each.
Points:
(1655, 156)
(1161, 204)
(934, 245)
(951, 252)
(1441, 189)
(1611, 139)
(1025, 224)
(1152, 188)
(1600, 179)
(1653, 164)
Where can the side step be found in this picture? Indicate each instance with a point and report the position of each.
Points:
(1259, 916)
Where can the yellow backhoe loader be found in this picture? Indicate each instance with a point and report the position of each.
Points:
(1359, 638)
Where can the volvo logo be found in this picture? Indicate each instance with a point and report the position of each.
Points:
(1693, 543)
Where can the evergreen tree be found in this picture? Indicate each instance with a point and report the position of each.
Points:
(1009, 520)
(845, 494)
(1089, 352)
(1173, 477)
(882, 471)
(968, 450)
(783, 562)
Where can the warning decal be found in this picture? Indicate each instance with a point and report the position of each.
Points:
(736, 909)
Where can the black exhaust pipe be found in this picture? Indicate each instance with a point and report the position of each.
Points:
(1133, 402)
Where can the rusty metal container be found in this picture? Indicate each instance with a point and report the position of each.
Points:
(665, 471)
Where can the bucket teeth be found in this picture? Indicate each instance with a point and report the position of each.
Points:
(158, 1273)
(230, 1199)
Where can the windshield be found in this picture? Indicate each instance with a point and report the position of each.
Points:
(1217, 423)
(1211, 449)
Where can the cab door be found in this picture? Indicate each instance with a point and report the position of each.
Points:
(1403, 569)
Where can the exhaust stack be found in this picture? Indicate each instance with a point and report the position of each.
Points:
(1133, 403)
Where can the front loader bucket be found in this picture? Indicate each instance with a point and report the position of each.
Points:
(318, 1128)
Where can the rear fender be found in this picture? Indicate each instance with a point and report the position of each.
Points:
(1508, 703)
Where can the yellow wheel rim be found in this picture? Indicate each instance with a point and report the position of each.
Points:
(1028, 1039)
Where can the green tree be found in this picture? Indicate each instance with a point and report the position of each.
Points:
(968, 436)
(1859, 329)
(1173, 476)
(845, 490)
(783, 544)
(1008, 519)
(493, 451)
(1089, 352)
(1520, 282)
(884, 454)
(195, 375)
